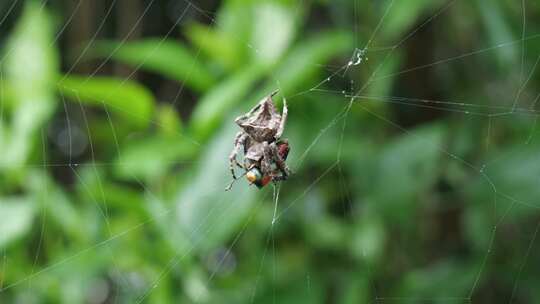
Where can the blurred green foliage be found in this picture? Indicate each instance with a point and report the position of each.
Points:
(419, 190)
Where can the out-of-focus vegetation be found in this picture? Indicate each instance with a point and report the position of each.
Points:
(116, 121)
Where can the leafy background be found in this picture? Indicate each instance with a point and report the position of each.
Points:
(115, 131)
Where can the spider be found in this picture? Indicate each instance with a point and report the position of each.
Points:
(264, 152)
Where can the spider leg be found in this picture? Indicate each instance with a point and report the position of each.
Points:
(239, 141)
(278, 178)
(283, 120)
(280, 162)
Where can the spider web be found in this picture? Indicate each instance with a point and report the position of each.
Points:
(340, 84)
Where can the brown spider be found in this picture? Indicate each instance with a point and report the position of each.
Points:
(264, 152)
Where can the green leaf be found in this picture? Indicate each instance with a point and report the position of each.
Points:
(168, 121)
(298, 66)
(206, 213)
(426, 283)
(384, 86)
(16, 216)
(357, 288)
(229, 23)
(273, 31)
(407, 166)
(403, 15)
(219, 46)
(128, 99)
(31, 43)
(506, 192)
(213, 106)
(166, 57)
(94, 187)
(368, 237)
(56, 203)
(295, 291)
(151, 157)
(513, 172)
(30, 85)
(498, 29)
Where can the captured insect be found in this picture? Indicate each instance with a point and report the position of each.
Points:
(264, 150)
